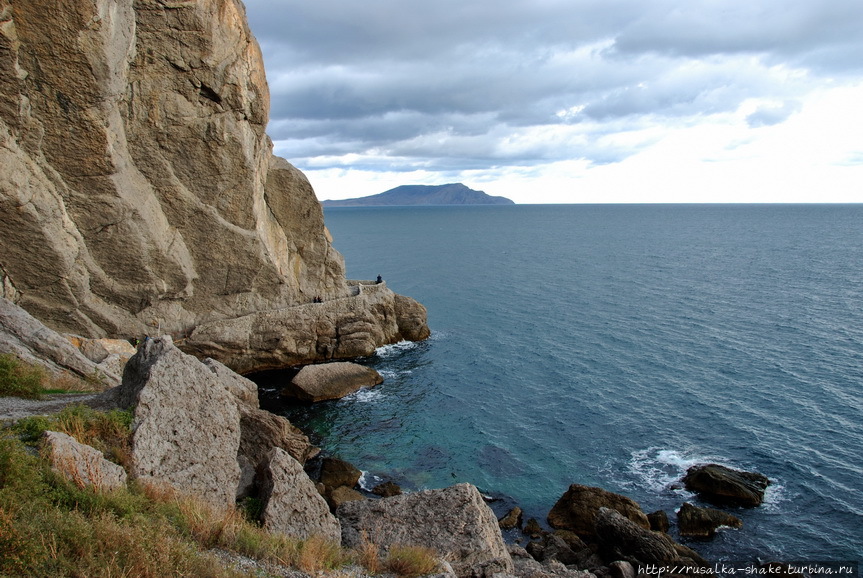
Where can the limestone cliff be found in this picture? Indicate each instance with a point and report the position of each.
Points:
(138, 190)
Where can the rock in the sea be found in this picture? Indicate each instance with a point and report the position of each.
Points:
(331, 381)
(186, 424)
(699, 522)
(576, 510)
(387, 489)
(81, 464)
(292, 505)
(455, 522)
(27, 338)
(336, 472)
(659, 521)
(620, 538)
(139, 194)
(511, 520)
(725, 486)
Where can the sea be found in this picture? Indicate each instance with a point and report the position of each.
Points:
(616, 346)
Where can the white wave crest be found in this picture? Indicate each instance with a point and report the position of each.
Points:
(661, 469)
(365, 395)
(394, 349)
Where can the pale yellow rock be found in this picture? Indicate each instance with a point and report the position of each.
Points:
(138, 190)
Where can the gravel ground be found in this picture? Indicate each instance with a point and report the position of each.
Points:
(13, 408)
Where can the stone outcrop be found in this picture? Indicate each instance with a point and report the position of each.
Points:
(139, 194)
(330, 381)
(342, 328)
(292, 505)
(698, 522)
(186, 430)
(26, 337)
(723, 486)
(576, 509)
(454, 522)
(82, 464)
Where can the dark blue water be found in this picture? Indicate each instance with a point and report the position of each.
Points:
(615, 346)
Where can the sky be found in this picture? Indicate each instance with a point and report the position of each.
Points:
(570, 101)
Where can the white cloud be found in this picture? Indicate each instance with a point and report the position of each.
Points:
(560, 101)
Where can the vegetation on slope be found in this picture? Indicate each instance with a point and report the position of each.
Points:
(50, 526)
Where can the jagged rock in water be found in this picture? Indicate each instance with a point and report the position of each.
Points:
(83, 465)
(577, 508)
(292, 505)
(138, 190)
(659, 521)
(721, 485)
(186, 423)
(455, 522)
(703, 522)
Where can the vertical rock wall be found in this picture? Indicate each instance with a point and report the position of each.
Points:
(138, 190)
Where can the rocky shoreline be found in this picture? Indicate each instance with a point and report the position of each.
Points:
(199, 429)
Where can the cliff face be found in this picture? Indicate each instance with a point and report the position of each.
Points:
(138, 190)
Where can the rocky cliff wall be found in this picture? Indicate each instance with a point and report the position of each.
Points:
(138, 190)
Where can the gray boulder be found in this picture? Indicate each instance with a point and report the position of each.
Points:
(455, 522)
(83, 465)
(186, 426)
(331, 381)
(260, 431)
(292, 504)
(725, 486)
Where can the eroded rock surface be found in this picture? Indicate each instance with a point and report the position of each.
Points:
(81, 464)
(186, 423)
(292, 504)
(454, 522)
(576, 510)
(138, 191)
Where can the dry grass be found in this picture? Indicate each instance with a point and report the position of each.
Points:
(410, 561)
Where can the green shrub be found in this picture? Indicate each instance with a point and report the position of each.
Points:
(19, 379)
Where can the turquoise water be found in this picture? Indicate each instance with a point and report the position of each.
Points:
(615, 346)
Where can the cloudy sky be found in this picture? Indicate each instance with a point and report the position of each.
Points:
(570, 101)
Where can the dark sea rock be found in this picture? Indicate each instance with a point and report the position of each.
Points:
(724, 486)
(576, 510)
(387, 490)
(511, 520)
(336, 472)
(620, 538)
(703, 522)
(659, 521)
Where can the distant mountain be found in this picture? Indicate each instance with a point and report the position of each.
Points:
(452, 194)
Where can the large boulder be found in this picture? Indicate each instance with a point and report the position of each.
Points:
(139, 194)
(331, 381)
(577, 508)
(260, 431)
(725, 486)
(455, 522)
(620, 538)
(186, 423)
(292, 504)
(694, 521)
(81, 464)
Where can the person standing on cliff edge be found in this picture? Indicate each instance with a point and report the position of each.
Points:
(380, 279)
